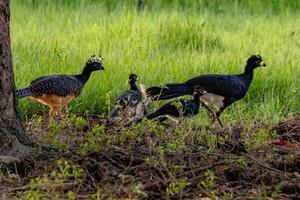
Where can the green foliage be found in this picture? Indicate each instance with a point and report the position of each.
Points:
(97, 195)
(189, 34)
(42, 187)
(93, 138)
(77, 121)
(136, 190)
(176, 187)
(66, 171)
(242, 161)
(55, 130)
(171, 41)
(257, 140)
(232, 6)
(209, 183)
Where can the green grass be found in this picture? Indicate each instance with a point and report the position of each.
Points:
(171, 41)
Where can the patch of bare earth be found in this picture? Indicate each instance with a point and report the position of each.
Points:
(140, 170)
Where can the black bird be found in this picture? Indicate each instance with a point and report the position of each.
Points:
(179, 108)
(222, 90)
(128, 99)
(56, 91)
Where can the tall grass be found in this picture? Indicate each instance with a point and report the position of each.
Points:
(171, 41)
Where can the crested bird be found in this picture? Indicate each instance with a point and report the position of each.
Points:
(56, 91)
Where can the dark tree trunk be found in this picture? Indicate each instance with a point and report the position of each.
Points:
(13, 137)
(140, 5)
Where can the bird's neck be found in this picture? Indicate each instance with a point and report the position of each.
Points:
(133, 87)
(248, 70)
(85, 75)
(248, 74)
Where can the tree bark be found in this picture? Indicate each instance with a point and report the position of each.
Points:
(13, 137)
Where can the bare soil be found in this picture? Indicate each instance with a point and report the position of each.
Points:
(273, 170)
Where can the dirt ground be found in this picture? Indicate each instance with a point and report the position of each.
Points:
(139, 170)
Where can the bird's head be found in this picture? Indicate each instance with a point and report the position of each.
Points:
(94, 63)
(198, 91)
(255, 61)
(132, 78)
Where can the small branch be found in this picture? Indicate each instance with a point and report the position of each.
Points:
(54, 186)
(269, 168)
(204, 168)
(80, 184)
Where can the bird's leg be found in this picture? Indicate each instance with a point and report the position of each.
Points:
(218, 117)
(45, 120)
(50, 115)
(55, 113)
(60, 116)
(214, 115)
(45, 123)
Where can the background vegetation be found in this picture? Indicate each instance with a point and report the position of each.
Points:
(254, 156)
(170, 41)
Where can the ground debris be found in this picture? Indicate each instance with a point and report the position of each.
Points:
(140, 168)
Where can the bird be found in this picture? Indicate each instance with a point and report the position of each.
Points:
(142, 107)
(222, 90)
(179, 108)
(56, 91)
(128, 99)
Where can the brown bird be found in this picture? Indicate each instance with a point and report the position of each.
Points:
(56, 91)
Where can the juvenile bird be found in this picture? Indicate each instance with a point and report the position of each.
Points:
(222, 90)
(179, 108)
(128, 99)
(56, 91)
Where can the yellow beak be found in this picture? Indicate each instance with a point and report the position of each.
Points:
(263, 64)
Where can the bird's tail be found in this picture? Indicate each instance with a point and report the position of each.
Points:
(169, 91)
(24, 92)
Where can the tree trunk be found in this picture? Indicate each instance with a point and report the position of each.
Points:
(13, 137)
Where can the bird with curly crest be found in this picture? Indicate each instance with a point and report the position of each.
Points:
(56, 91)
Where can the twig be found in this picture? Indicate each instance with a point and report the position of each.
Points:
(269, 168)
(115, 162)
(93, 180)
(80, 184)
(54, 186)
(204, 168)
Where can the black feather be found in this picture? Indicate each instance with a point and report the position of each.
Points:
(179, 108)
(129, 98)
(231, 87)
(61, 85)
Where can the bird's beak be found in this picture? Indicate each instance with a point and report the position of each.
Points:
(262, 64)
